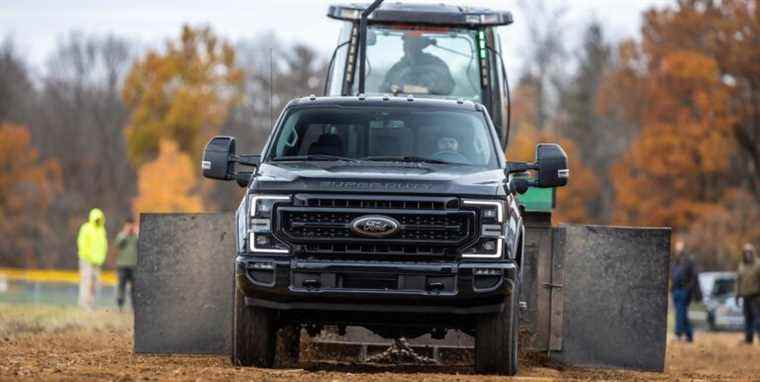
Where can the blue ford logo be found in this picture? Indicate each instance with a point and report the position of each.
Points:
(374, 226)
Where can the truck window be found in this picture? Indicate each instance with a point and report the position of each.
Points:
(370, 133)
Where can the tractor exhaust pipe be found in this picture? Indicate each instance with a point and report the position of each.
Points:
(363, 43)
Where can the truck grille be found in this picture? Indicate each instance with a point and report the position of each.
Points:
(323, 226)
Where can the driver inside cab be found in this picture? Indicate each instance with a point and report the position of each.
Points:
(448, 150)
(418, 72)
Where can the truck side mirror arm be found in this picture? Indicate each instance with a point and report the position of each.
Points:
(520, 167)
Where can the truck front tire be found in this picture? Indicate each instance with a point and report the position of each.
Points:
(254, 334)
(496, 339)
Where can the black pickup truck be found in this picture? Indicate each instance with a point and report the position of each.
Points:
(395, 214)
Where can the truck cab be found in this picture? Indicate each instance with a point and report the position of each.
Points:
(397, 214)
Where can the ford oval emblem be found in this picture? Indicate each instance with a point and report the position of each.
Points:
(375, 226)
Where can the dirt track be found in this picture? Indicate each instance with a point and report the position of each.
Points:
(103, 352)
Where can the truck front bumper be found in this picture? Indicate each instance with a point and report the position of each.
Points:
(456, 287)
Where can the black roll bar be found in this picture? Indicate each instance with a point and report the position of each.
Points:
(363, 42)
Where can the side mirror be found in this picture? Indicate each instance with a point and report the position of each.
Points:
(551, 161)
(219, 158)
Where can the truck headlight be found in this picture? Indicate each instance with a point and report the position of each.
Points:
(260, 232)
(491, 238)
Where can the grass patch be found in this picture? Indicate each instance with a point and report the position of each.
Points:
(22, 319)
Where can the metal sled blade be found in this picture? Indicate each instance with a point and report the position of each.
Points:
(183, 286)
(614, 284)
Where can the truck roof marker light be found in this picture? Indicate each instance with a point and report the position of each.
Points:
(460, 101)
(472, 19)
(350, 13)
(362, 97)
(410, 97)
(312, 97)
(386, 97)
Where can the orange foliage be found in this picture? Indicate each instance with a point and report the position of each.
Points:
(673, 170)
(169, 183)
(183, 94)
(27, 186)
(691, 86)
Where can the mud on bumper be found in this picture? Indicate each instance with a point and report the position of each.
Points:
(457, 288)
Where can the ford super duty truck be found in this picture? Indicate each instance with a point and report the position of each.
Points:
(396, 214)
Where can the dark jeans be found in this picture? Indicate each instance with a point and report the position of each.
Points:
(681, 300)
(126, 275)
(751, 317)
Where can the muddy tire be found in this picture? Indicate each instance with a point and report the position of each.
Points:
(254, 334)
(496, 340)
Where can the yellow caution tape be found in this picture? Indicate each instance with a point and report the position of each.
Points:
(52, 276)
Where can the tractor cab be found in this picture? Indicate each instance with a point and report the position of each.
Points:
(422, 50)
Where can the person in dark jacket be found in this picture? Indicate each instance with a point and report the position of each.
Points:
(684, 287)
(748, 289)
(418, 72)
(126, 242)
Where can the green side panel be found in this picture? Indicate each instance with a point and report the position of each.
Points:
(538, 199)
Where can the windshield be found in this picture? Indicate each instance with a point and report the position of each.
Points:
(440, 62)
(444, 136)
(723, 286)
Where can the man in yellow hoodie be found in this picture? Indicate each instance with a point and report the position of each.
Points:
(92, 245)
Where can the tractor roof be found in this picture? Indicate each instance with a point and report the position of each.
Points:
(430, 14)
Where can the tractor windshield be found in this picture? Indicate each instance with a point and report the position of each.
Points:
(440, 62)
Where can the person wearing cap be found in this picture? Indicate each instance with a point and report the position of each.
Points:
(418, 72)
(92, 246)
(685, 288)
(748, 289)
(126, 262)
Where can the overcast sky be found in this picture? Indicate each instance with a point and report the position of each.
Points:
(36, 25)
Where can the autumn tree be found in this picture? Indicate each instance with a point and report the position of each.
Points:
(271, 65)
(727, 32)
(683, 149)
(182, 94)
(695, 74)
(27, 186)
(168, 183)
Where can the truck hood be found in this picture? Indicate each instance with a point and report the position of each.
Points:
(384, 178)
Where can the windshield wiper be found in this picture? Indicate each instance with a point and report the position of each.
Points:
(408, 158)
(314, 157)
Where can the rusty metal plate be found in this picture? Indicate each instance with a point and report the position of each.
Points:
(183, 284)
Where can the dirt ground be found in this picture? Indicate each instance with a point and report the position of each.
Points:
(78, 346)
